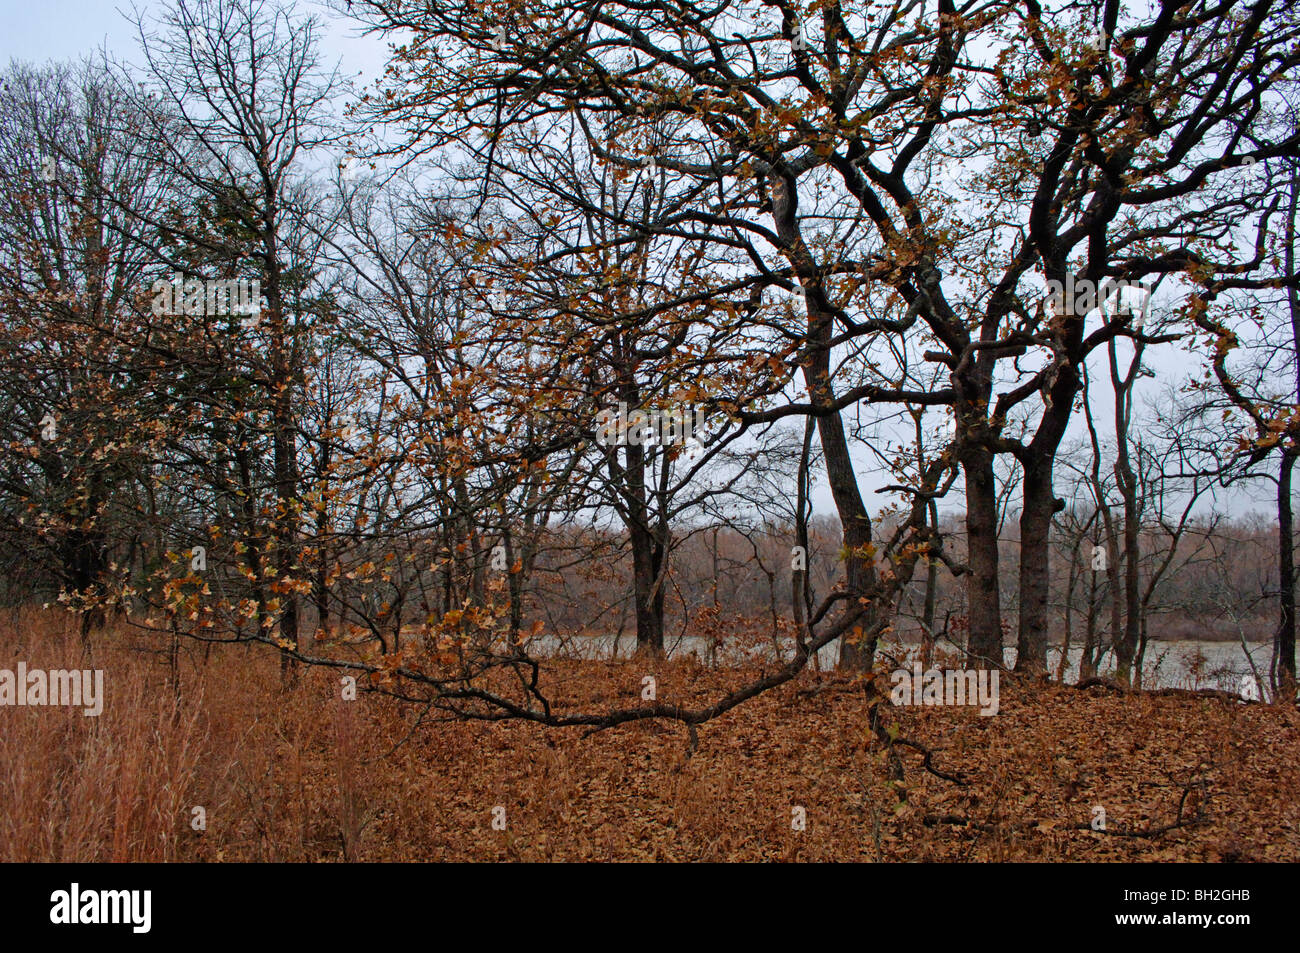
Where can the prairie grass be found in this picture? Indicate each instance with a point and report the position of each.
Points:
(298, 774)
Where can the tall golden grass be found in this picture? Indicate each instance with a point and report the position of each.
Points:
(297, 774)
(123, 786)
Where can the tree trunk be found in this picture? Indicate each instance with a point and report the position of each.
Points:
(856, 654)
(647, 554)
(1035, 560)
(1072, 582)
(982, 592)
(1126, 483)
(931, 594)
(859, 562)
(1132, 598)
(799, 577)
(1285, 640)
(1088, 661)
(1040, 505)
(1284, 643)
(649, 594)
(284, 451)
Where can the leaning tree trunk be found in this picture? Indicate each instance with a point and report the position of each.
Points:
(857, 650)
(856, 653)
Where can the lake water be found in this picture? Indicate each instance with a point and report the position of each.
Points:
(1180, 664)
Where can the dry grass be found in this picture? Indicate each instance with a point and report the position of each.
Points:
(301, 775)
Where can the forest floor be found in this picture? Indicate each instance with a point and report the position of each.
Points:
(302, 775)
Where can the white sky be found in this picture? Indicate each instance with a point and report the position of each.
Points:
(40, 30)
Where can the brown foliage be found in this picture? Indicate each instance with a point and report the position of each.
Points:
(301, 775)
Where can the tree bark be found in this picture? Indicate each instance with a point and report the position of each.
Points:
(1284, 642)
(1035, 559)
(284, 448)
(859, 562)
(1040, 505)
(983, 597)
(1285, 639)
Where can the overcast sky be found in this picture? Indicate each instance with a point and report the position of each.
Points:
(40, 30)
